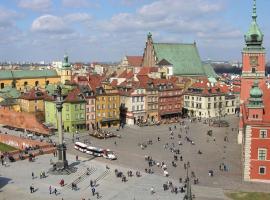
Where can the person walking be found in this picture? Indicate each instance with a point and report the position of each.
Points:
(55, 191)
(93, 191)
(50, 189)
(33, 175)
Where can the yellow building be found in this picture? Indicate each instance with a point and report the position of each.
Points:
(32, 101)
(21, 79)
(107, 107)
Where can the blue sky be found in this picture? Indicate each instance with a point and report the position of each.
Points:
(106, 30)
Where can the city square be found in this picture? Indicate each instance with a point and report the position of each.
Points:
(132, 157)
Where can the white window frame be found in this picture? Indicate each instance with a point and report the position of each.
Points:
(260, 170)
(260, 149)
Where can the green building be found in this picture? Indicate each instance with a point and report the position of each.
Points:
(73, 112)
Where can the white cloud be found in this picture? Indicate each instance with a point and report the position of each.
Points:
(36, 5)
(80, 3)
(50, 24)
(78, 17)
(7, 18)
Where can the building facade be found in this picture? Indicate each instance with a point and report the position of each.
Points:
(254, 125)
(169, 101)
(107, 107)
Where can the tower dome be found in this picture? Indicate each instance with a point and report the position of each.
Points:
(256, 95)
(254, 36)
(66, 64)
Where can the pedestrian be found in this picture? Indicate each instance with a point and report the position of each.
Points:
(77, 157)
(50, 189)
(93, 191)
(91, 183)
(55, 191)
(33, 175)
(152, 190)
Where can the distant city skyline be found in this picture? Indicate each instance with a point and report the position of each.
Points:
(107, 30)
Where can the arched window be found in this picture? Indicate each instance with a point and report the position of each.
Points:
(2, 85)
(36, 83)
(25, 83)
(47, 82)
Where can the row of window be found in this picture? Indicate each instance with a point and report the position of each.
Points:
(152, 99)
(103, 106)
(77, 116)
(170, 99)
(137, 99)
(77, 107)
(109, 98)
(170, 93)
(170, 107)
(137, 108)
(92, 117)
(109, 114)
(199, 98)
(151, 107)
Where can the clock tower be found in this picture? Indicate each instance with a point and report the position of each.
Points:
(253, 58)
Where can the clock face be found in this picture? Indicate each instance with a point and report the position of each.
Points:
(254, 60)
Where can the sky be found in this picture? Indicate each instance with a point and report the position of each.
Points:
(107, 30)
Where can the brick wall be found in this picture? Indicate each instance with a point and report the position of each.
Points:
(22, 120)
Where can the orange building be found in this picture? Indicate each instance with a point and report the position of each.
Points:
(254, 125)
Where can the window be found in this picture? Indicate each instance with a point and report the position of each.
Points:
(103, 106)
(87, 117)
(109, 106)
(82, 116)
(77, 116)
(92, 101)
(81, 106)
(262, 154)
(93, 116)
(263, 133)
(138, 99)
(138, 108)
(67, 116)
(109, 98)
(141, 107)
(36, 83)
(76, 107)
(133, 99)
(262, 170)
(133, 108)
(67, 107)
(141, 99)
(103, 98)
(209, 99)
(2, 85)
(103, 114)
(93, 109)
(98, 114)
(98, 107)
(209, 106)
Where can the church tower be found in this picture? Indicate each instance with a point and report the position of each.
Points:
(148, 55)
(253, 58)
(66, 72)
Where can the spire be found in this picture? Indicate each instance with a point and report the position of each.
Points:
(254, 36)
(66, 64)
(149, 35)
(254, 14)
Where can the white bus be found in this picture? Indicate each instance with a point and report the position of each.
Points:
(94, 151)
(80, 146)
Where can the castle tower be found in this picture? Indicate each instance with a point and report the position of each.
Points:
(253, 57)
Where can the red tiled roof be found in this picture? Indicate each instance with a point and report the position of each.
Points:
(147, 70)
(34, 94)
(126, 74)
(74, 95)
(95, 81)
(135, 61)
(114, 83)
